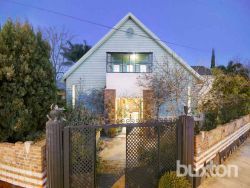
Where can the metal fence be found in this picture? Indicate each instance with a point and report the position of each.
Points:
(146, 151)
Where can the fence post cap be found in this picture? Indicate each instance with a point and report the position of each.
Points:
(56, 113)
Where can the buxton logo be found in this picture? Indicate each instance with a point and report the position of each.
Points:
(210, 170)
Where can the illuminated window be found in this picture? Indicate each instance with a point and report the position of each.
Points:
(129, 62)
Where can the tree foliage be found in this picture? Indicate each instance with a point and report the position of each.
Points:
(235, 67)
(228, 99)
(171, 180)
(26, 82)
(81, 115)
(73, 52)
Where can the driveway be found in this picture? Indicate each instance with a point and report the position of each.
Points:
(240, 157)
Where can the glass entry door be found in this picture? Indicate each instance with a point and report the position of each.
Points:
(129, 110)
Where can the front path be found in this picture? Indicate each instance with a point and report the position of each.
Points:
(112, 161)
(240, 157)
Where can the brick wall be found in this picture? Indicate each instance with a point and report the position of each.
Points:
(207, 139)
(23, 164)
(109, 105)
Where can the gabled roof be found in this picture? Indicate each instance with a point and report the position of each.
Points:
(146, 30)
(202, 70)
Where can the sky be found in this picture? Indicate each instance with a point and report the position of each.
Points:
(200, 25)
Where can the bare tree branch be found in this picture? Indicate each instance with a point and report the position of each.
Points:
(173, 86)
(57, 40)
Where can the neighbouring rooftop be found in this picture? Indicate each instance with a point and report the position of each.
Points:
(202, 70)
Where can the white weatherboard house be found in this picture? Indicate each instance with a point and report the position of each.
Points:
(115, 63)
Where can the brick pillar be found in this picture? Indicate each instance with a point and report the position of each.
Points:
(109, 105)
(148, 104)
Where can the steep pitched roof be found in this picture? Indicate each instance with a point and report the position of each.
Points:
(146, 30)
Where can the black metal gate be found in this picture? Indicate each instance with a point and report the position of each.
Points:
(150, 150)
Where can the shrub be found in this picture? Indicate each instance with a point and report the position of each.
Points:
(197, 127)
(79, 115)
(210, 121)
(112, 132)
(26, 82)
(171, 180)
(228, 99)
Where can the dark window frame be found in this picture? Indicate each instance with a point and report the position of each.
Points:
(149, 65)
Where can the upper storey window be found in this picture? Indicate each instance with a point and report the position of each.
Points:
(129, 62)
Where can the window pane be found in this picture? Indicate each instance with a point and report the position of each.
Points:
(133, 58)
(143, 58)
(109, 58)
(130, 68)
(116, 68)
(137, 68)
(126, 59)
(116, 58)
(143, 68)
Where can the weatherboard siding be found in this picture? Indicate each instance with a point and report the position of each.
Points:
(92, 71)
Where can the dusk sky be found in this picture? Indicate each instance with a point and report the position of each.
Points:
(200, 24)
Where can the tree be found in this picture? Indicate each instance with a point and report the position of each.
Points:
(235, 67)
(228, 99)
(213, 59)
(73, 52)
(172, 87)
(57, 39)
(26, 82)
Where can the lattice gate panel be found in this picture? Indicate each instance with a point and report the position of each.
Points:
(82, 157)
(141, 157)
(167, 147)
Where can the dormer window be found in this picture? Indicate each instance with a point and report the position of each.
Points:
(129, 62)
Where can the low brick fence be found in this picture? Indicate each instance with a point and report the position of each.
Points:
(23, 164)
(208, 144)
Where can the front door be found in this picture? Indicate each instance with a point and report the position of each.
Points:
(129, 110)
